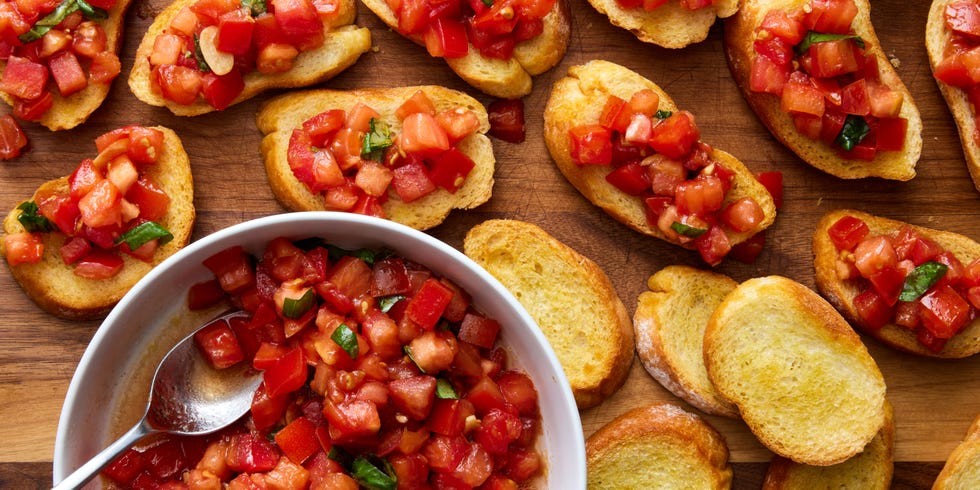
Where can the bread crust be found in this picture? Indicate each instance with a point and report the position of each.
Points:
(343, 44)
(893, 165)
(578, 99)
(668, 26)
(68, 112)
(278, 117)
(592, 336)
(53, 285)
(802, 380)
(962, 468)
(506, 79)
(658, 446)
(841, 293)
(937, 38)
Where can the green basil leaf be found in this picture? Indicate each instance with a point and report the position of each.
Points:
(819, 37)
(295, 308)
(44, 24)
(376, 140)
(488, 3)
(921, 279)
(91, 12)
(854, 130)
(367, 255)
(370, 476)
(202, 64)
(385, 303)
(661, 114)
(31, 220)
(408, 351)
(688, 231)
(346, 339)
(142, 233)
(341, 456)
(445, 390)
(255, 7)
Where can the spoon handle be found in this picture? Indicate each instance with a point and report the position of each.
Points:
(87, 471)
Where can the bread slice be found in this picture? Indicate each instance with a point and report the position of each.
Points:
(343, 44)
(670, 25)
(801, 378)
(937, 38)
(56, 289)
(659, 446)
(570, 298)
(872, 469)
(669, 325)
(962, 468)
(278, 117)
(841, 293)
(68, 112)
(510, 78)
(895, 165)
(578, 99)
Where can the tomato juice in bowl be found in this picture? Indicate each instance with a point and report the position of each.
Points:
(115, 370)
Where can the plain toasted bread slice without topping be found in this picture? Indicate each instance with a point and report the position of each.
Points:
(962, 468)
(570, 298)
(669, 25)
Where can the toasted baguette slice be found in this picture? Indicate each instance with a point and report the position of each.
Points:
(872, 469)
(510, 78)
(53, 285)
(801, 378)
(579, 99)
(570, 298)
(343, 44)
(278, 117)
(660, 446)
(937, 38)
(841, 293)
(68, 112)
(962, 468)
(670, 25)
(895, 165)
(669, 325)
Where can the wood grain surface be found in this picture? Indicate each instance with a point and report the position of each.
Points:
(934, 401)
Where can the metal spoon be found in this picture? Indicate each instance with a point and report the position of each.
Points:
(187, 397)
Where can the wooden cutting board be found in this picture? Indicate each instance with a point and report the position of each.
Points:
(934, 401)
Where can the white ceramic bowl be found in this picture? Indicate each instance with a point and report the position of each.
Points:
(107, 394)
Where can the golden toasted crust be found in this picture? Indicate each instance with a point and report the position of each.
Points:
(894, 165)
(669, 325)
(841, 293)
(68, 112)
(937, 38)
(962, 468)
(660, 446)
(578, 99)
(343, 44)
(510, 78)
(801, 378)
(278, 117)
(591, 335)
(670, 25)
(53, 285)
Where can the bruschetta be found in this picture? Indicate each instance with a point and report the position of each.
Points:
(962, 467)
(78, 52)
(83, 240)
(952, 31)
(623, 143)
(494, 46)
(913, 288)
(815, 74)
(409, 154)
(667, 23)
(200, 56)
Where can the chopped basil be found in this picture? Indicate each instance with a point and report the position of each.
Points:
(254, 7)
(662, 114)
(376, 141)
(295, 308)
(341, 456)
(408, 351)
(346, 339)
(445, 390)
(370, 476)
(64, 9)
(488, 3)
(31, 220)
(140, 234)
(688, 231)
(854, 130)
(819, 37)
(367, 255)
(202, 64)
(387, 302)
(921, 279)
(91, 12)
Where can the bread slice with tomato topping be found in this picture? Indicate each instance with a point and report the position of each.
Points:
(59, 288)
(840, 105)
(923, 290)
(503, 59)
(962, 468)
(669, 181)
(281, 117)
(666, 23)
(952, 74)
(570, 298)
(334, 47)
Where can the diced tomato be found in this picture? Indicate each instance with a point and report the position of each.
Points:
(105, 67)
(743, 215)
(590, 145)
(748, 251)
(288, 374)
(67, 73)
(944, 312)
(616, 114)
(776, 49)
(631, 178)
(232, 268)
(23, 248)
(101, 205)
(32, 110)
(23, 78)
(675, 136)
(251, 453)
(179, 83)
(235, 32)
(872, 309)
(832, 58)
(830, 16)
(88, 39)
(458, 123)
(479, 330)
(713, 245)
(413, 396)
(426, 306)
(446, 38)
(221, 90)
(891, 133)
(700, 195)
(12, 138)
(768, 76)
(212, 9)
(800, 96)
(267, 410)
(412, 16)
(100, 264)
(786, 26)
(412, 181)
(507, 120)
(499, 19)
(422, 134)
(297, 440)
(219, 344)
(855, 99)
(773, 182)
(847, 232)
(518, 389)
(149, 197)
(203, 294)
(888, 283)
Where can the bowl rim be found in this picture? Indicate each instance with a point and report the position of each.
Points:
(567, 409)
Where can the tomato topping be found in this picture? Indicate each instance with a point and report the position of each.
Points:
(219, 344)
(12, 138)
(507, 120)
